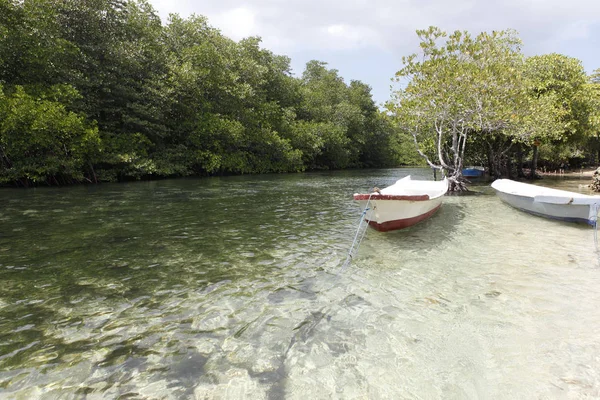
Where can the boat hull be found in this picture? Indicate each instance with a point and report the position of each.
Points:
(388, 215)
(562, 212)
(473, 172)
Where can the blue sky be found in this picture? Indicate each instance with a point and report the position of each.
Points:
(366, 39)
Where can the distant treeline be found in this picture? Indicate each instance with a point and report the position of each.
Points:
(101, 90)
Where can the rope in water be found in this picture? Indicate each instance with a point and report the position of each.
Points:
(594, 219)
(356, 242)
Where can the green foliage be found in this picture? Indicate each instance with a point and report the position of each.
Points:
(40, 141)
(104, 91)
(346, 128)
(563, 121)
(32, 51)
(595, 77)
(591, 147)
(561, 80)
(477, 98)
(404, 153)
(467, 86)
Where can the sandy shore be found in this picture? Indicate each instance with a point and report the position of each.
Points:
(571, 172)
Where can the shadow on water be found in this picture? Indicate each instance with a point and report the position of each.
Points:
(426, 235)
(305, 333)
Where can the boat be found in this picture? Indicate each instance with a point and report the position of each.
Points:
(547, 202)
(473, 172)
(402, 204)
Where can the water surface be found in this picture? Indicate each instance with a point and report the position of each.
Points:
(231, 288)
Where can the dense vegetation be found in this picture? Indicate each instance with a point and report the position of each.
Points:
(102, 90)
(479, 100)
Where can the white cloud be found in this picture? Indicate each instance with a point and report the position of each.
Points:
(343, 36)
(326, 28)
(181, 7)
(236, 23)
(576, 30)
(389, 24)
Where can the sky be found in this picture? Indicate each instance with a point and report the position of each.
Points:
(366, 39)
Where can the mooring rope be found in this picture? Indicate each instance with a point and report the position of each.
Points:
(356, 242)
(594, 219)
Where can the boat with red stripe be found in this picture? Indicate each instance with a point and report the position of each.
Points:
(403, 204)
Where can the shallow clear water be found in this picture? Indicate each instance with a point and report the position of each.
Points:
(229, 288)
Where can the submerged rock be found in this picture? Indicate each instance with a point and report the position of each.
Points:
(235, 383)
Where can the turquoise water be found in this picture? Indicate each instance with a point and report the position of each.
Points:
(231, 288)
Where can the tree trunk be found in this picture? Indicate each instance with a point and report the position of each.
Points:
(491, 169)
(457, 183)
(534, 160)
(93, 172)
(520, 172)
(509, 166)
(598, 140)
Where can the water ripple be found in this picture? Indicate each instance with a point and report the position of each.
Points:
(229, 288)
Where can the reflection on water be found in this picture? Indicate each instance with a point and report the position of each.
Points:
(228, 288)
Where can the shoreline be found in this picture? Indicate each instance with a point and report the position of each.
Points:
(584, 172)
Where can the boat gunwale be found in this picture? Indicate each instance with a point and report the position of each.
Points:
(377, 196)
(435, 192)
(500, 186)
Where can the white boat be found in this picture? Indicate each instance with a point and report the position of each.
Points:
(547, 202)
(402, 204)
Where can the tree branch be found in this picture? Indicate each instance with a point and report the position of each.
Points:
(432, 165)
